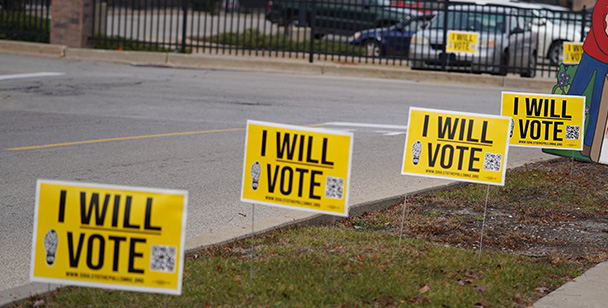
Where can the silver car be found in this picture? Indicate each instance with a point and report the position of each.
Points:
(506, 43)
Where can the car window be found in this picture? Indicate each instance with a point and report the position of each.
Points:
(471, 21)
(531, 16)
(519, 23)
(413, 25)
(380, 2)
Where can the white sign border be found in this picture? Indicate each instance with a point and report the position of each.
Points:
(113, 286)
(308, 129)
(503, 167)
(502, 97)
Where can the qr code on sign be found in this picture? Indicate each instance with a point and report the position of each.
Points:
(334, 187)
(162, 258)
(572, 132)
(492, 162)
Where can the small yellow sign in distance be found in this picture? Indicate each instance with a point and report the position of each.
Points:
(458, 146)
(462, 41)
(297, 167)
(545, 121)
(105, 236)
(573, 52)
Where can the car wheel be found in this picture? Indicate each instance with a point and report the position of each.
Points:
(291, 25)
(504, 64)
(531, 73)
(416, 64)
(373, 48)
(556, 53)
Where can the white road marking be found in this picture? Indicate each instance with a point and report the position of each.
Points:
(402, 129)
(30, 75)
(368, 125)
(389, 133)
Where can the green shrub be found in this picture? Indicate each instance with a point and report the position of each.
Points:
(20, 27)
(120, 43)
(254, 39)
(205, 5)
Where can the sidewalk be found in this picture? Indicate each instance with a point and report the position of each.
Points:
(588, 290)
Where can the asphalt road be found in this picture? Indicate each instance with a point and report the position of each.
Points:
(184, 129)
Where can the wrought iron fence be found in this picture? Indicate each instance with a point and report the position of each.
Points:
(517, 38)
(27, 20)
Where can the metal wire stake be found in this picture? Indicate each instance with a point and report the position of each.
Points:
(572, 172)
(403, 216)
(483, 224)
(48, 296)
(252, 247)
(331, 245)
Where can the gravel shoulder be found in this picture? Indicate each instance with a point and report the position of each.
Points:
(556, 209)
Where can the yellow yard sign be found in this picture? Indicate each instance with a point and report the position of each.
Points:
(297, 167)
(105, 236)
(545, 121)
(573, 52)
(461, 41)
(459, 146)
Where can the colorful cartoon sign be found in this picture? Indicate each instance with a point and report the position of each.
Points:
(462, 41)
(588, 79)
(105, 236)
(297, 167)
(459, 146)
(545, 121)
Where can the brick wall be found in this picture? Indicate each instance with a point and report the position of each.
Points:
(72, 23)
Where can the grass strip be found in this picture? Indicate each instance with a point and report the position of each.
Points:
(254, 39)
(368, 269)
(116, 42)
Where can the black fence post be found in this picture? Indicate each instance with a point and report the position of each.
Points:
(583, 33)
(184, 24)
(312, 30)
(445, 36)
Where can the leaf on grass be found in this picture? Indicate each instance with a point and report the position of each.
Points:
(518, 298)
(541, 290)
(424, 289)
(419, 299)
(480, 289)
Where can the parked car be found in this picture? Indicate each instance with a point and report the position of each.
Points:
(506, 42)
(391, 41)
(553, 25)
(342, 17)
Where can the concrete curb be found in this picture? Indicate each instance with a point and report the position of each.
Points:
(37, 49)
(297, 219)
(582, 292)
(129, 57)
(271, 64)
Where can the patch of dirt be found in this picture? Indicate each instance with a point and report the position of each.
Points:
(556, 208)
